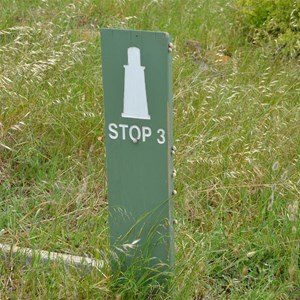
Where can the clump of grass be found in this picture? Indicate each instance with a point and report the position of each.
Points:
(273, 24)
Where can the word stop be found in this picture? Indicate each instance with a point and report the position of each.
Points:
(135, 133)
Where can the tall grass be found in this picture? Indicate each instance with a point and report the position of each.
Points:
(236, 118)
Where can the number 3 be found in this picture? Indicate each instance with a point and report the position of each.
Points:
(161, 140)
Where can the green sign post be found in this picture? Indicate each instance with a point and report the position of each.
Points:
(137, 83)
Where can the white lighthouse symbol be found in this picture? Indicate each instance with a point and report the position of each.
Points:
(135, 98)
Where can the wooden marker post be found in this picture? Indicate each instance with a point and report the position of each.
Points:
(137, 82)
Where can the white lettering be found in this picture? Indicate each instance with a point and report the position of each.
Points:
(138, 135)
(113, 132)
(134, 133)
(123, 126)
(146, 132)
(161, 140)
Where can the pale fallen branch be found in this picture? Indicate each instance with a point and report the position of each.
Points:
(47, 256)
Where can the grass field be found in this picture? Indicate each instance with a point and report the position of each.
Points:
(237, 131)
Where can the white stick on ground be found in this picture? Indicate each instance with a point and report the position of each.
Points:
(47, 256)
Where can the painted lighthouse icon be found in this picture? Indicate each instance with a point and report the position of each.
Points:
(135, 98)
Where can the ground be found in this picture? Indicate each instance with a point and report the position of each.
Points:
(236, 128)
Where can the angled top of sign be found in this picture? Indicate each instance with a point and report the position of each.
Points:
(137, 76)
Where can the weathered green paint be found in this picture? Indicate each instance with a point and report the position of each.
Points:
(139, 173)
